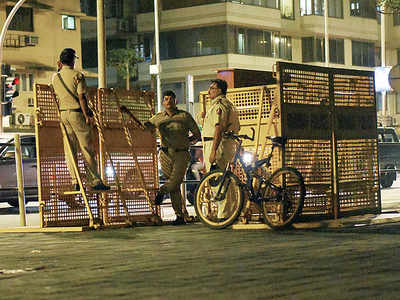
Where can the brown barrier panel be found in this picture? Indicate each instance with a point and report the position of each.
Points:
(329, 118)
(57, 209)
(330, 114)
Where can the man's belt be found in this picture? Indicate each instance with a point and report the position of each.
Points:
(207, 138)
(165, 149)
(73, 109)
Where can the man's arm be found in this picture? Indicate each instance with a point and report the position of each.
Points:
(149, 126)
(84, 107)
(220, 127)
(194, 129)
(216, 141)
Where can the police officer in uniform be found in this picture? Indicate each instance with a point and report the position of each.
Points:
(173, 126)
(70, 87)
(221, 117)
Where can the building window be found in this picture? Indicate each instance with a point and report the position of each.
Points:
(283, 46)
(193, 42)
(336, 51)
(263, 3)
(68, 22)
(378, 98)
(396, 19)
(113, 8)
(335, 8)
(146, 6)
(25, 82)
(363, 54)
(220, 40)
(398, 56)
(89, 7)
(311, 7)
(241, 41)
(316, 7)
(313, 49)
(22, 20)
(287, 9)
(397, 103)
(259, 42)
(31, 102)
(363, 8)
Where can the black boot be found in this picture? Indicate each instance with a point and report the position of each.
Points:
(179, 221)
(159, 198)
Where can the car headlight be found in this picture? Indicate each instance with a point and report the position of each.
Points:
(248, 158)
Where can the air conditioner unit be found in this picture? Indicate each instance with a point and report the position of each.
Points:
(23, 119)
(8, 121)
(31, 40)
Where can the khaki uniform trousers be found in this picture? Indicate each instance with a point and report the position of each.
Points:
(174, 165)
(224, 155)
(79, 134)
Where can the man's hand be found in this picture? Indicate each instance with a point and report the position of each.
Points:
(211, 159)
(89, 120)
(193, 139)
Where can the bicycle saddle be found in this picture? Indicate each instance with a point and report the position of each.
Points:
(277, 140)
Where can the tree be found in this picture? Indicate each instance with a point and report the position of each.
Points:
(125, 61)
(390, 6)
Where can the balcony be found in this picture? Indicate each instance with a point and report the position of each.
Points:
(20, 41)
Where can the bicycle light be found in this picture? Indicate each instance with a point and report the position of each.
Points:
(248, 158)
(109, 171)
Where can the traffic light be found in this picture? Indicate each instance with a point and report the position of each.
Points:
(10, 89)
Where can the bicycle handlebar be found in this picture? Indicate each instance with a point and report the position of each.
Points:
(231, 135)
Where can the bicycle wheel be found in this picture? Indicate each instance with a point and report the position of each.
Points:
(283, 198)
(218, 210)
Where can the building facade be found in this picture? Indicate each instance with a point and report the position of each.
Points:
(199, 37)
(36, 36)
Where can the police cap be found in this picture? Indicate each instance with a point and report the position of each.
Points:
(67, 56)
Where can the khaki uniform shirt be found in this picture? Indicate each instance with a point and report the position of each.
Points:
(75, 81)
(221, 112)
(174, 130)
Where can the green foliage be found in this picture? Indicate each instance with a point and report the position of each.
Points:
(124, 60)
(390, 6)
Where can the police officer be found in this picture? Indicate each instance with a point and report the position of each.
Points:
(70, 87)
(221, 117)
(173, 126)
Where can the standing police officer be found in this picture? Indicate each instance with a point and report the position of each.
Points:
(221, 117)
(70, 87)
(173, 126)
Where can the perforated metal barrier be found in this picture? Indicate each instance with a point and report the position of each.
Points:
(57, 209)
(328, 116)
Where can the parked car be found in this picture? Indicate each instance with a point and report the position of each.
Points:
(389, 155)
(8, 173)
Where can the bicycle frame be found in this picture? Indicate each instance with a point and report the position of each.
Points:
(250, 174)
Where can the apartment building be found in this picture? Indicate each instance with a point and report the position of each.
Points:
(120, 31)
(199, 37)
(36, 36)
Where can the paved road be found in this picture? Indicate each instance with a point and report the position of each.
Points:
(194, 262)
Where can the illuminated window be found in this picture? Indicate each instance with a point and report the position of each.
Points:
(68, 22)
(363, 8)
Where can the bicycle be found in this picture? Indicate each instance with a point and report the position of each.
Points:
(281, 194)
